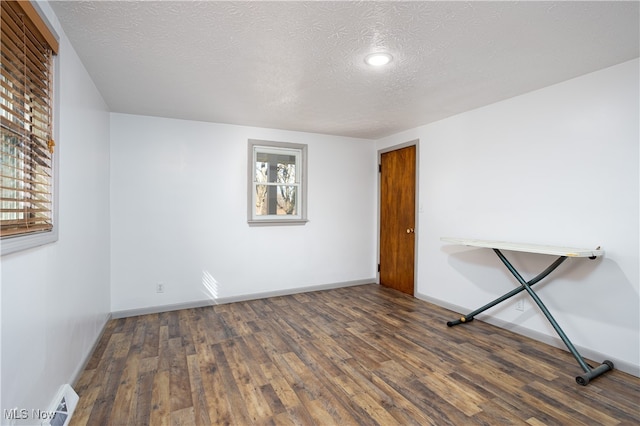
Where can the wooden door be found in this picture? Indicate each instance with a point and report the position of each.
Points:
(397, 219)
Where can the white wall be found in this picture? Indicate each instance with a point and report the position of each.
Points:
(55, 298)
(556, 166)
(179, 215)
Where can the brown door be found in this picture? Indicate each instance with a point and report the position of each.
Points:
(397, 218)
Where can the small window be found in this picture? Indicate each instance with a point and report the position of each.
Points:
(277, 183)
(26, 136)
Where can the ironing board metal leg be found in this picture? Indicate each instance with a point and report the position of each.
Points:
(469, 317)
(544, 310)
(589, 372)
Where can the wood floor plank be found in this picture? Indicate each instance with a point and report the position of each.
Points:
(400, 407)
(110, 377)
(161, 399)
(463, 398)
(183, 417)
(200, 408)
(434, 403)
(272, 399)
(293, 371)
(124, 403)
(249, 378)
(324, 357)
(144, 391)
(151, 336)
(376, 412)
(184, 322)
(218, 405)
(161, 390)
(321, 416)
(85, 406)
(180, 394)
(286, 395)
(493, 414)
(233, 390)
(561, 413)
(349, 356)
(568, 403)
(384, 396)
(213, 396)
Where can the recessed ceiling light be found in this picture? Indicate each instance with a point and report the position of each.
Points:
(378, 59)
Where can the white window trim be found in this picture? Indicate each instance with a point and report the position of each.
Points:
(271, 220)
(25, 242)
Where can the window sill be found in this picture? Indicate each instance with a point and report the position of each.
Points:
(277, 222)
(26, 242)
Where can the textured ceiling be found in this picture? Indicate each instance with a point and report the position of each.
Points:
(299, 65)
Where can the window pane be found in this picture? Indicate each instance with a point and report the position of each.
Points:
(279, 200)
(287, 197)
(261, 172)
(286, 173)
(261, 200)
(276, 168)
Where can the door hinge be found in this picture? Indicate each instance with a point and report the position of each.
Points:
(379, 168)
(378, 267)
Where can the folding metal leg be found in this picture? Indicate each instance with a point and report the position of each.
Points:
(539, 277)
(589, 373)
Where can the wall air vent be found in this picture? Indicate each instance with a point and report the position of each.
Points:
(62, 407)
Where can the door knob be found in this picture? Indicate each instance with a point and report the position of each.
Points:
(410, 231)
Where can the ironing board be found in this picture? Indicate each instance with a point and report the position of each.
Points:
(563, 253)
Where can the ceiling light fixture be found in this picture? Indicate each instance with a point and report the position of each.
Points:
(378, 59)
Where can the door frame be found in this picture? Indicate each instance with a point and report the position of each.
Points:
(416, 143)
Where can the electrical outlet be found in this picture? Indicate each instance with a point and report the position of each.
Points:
(520, 305)
(160, 288)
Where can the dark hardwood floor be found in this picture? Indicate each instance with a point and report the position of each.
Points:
(359, 355)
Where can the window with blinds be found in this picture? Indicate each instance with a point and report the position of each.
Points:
(27, 147)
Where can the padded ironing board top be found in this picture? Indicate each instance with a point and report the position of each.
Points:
(530, 248)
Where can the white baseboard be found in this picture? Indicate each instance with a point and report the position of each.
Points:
(556, 342)
(76, 374)
(232, 299)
